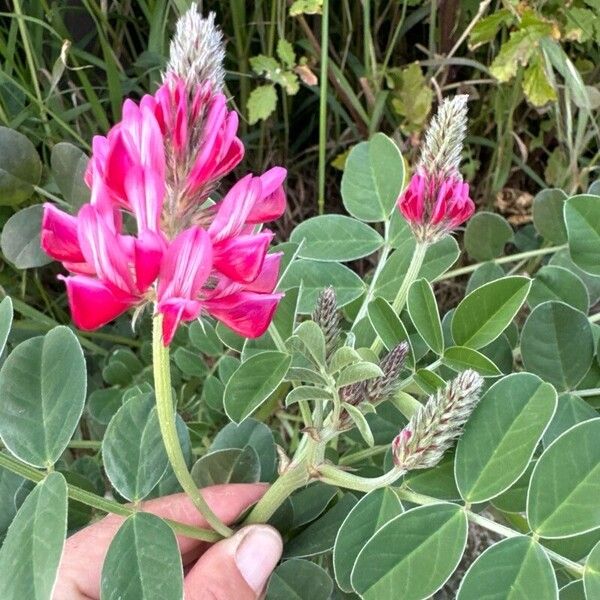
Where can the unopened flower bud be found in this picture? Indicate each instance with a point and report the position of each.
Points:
(434, 427)
(327, 317)
(197, 53)
(381, 388)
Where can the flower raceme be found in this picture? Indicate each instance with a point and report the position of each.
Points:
(156, 169)
(437, 200)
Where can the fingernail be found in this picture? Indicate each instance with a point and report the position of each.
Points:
(258, 553)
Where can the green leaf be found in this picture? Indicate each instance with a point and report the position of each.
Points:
(343, 357)
(20, 239)
(285, 52)
(423, 312)
(502, 434)
(372, 179)
(413, 554)
(572, 591)
(335, 238)
(571, 409)
(142, 552)
(133, 450)
(518, 50)
(358, 372)
(310, 502)
(487, 311)
(42, 386)
(591, 575)
(486, 235)
(34, 542)
(386, 323)
(253, 382)
(250, 433)
(313, 339)
(582, 216)
(319, 536)
(361, 423)
(548, 215)
(514, 499)
(20, 167)
(515, 568)
(459, 358)
(371, 512)
(261, 103)
(6, 319)
(308, 393)
(204, 337)
(557, 344)
(68, 164)
(487, 28)
(558, 283)
(306, 7)
(315, 276)
(227, 466)
(591, 282)
(298, 579)
(411, 96)
(565, 484)
(485, 273)
(536, 83)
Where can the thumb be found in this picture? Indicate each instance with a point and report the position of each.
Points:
(237, 568)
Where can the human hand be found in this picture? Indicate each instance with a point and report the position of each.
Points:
(233, 569)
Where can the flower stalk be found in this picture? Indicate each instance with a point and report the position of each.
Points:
(168, 429)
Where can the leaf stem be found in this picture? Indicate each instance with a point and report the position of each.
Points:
(166, 419)
(500, 261)
(334, 476)
(105, 505)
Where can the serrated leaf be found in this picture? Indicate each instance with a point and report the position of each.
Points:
(261, 103)
(536, 84)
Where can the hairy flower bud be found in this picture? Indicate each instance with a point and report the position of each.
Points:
(196, 53)
(379, 389)
(437, 200)
(327, 317)
(436, 424)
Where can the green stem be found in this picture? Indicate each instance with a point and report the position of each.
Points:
(98, 502)
(166, 418)
(499, 261)
(323, 104)
(333, 476)
(503, 530)
(295, 477)
(587, 393)
(416, 262)
(380, 264)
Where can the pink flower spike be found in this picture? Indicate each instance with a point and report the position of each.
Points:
(145, 191)
(272, 202)
(93, 303)
(247, 313)
(241, 258)
(59, 235)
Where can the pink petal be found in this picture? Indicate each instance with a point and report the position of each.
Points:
(247, 313)
(92, 303)
(104, 249)
(269, 276)
(149, 248)
(175, 311)
(59, 235)
(232, 212)
(272, 202)
(145, 193)
(186, 265)
(241, 258)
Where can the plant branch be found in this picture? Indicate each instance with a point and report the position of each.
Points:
(166, 419)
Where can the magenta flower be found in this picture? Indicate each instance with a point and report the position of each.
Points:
(187, 256)
(434, 208)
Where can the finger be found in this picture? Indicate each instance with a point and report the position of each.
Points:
(237, 568)
(84, 553)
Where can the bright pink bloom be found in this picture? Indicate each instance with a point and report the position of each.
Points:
(434, 208)
(159, 164)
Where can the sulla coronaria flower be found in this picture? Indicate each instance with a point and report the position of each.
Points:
(436, 200)
(151, 232)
